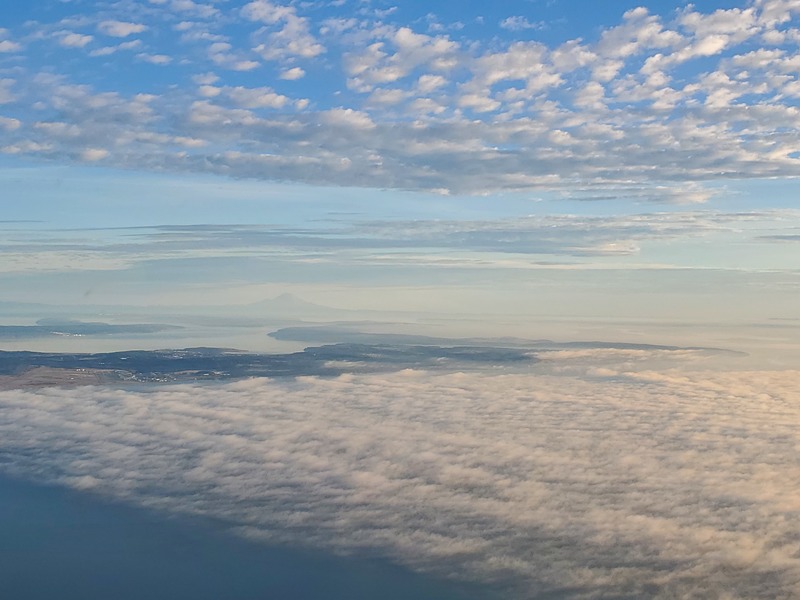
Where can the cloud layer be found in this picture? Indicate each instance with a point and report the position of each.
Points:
(658, 103)
(537, 241)
(616, 482)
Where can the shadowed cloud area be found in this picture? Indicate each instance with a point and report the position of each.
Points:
(569, 480)
(60, 544)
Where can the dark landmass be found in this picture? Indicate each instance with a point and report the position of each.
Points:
(30, 369)
(354, 352)
(58, 327)
(343, 334)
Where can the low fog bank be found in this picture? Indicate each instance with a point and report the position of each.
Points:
(586, 482)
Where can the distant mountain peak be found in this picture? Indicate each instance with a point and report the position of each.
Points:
(291, 304)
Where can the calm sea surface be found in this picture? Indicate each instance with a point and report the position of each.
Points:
(64, 545)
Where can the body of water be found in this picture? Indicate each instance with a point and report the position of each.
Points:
(61, 544)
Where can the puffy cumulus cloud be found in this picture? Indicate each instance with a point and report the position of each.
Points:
(6, 90)
(639, 32)
(9, 46)
(772, 13)
(108, 50)
(518, 23)
(154, 59)
(203, 10)
(120, 28)
(525, 63)
(255, 97)
(285, 34)
(664, 102)
(709, 34)
(9, 123)
(293, 74)
(223, 55)
(69, 39)
(657, 484)
(397, 54)
(94, 154)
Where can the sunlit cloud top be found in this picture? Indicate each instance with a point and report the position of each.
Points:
(648, 102)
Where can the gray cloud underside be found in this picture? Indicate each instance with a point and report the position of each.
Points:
(635, 484)
(651, 109)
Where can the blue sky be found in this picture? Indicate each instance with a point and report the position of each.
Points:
(378, 154)
(649, 102)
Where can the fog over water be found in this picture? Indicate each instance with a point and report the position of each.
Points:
(590, 475)
(72, 545)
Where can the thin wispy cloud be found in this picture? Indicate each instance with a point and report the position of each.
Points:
(573, 239)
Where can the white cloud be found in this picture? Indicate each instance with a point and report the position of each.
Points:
(775, 12)
(154, 59)
(396, 56)
(27, 147)
(347, 118)
(617, 483)
(267, 12)
(286, 34)
(198, 9)
(572, 55)
(58, 129)
(9, 46)
(222, 55)
(387, 97)
(206, 78)
(255, 97)
(498, 113)
(120, 28)
(6, 95)
(639, 32)
(429, 83)
(206, 114)
(519, 23)
(293, 74)
(109, 50)
(426, 106)
(592, 95)
(478, 103)
(69, 39)
(739, 24)
(94, 154)
(523, 61)
(9, 123)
